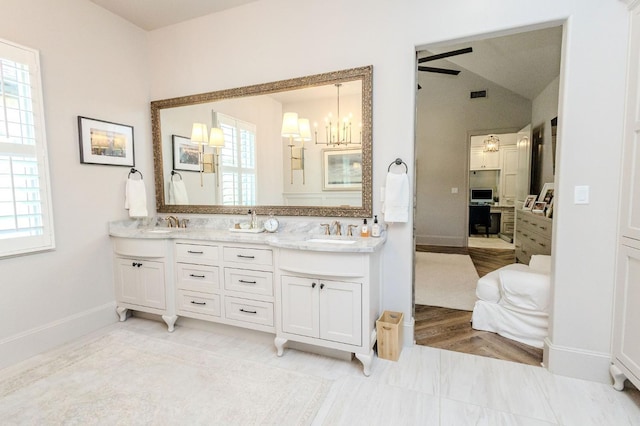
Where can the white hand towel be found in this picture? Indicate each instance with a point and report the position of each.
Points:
(396, 198)
(136, 198)
(178, 193)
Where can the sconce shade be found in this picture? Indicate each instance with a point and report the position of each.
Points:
(199, 134)
(290, 125)
(216, 138)
(305, 130)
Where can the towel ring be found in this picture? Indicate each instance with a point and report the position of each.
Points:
(397, 162)
(173, 173)
(134, 171)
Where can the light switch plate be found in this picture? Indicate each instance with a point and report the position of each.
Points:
(454, 190)
(581, 194)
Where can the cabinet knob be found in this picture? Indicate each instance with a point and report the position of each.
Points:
(321, 286)
(313, 285)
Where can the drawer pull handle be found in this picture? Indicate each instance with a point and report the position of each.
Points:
(542, 244)
(543, 227)
(244, 256)
(196, 276)
(136, 264)
(195, 252)
(248, 282)
(248, 312)
(198, 303)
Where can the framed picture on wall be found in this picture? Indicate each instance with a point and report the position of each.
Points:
(342, 169)
(104, 142)
(528, 202)
(185, 154)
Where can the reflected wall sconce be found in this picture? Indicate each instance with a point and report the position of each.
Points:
(208, 162)
(296, 130)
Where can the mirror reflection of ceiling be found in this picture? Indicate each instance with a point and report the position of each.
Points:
(524, 63)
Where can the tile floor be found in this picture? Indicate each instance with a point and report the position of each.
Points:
(427, 386)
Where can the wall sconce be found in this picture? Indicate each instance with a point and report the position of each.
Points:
(216, 140)
(199, 137)
(291, 129)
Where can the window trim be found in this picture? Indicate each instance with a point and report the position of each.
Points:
(16, 246)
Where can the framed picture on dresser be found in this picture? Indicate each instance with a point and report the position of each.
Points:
(528, 202)
(547, 193)
(538, 207)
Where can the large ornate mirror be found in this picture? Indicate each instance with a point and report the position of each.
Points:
(253, 159)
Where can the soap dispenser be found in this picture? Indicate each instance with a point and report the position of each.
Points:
(364, 232)
(375, 228)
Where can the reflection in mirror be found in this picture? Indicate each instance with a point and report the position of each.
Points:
(320, 168)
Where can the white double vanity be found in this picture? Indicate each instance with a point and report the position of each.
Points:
(318, 291)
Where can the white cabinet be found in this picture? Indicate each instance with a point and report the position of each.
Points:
(140, 278)
(320, 308)
(481, 160)
(626, 339)
(197, 277)
(328, 299)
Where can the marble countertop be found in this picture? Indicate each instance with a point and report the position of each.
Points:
(291, 240)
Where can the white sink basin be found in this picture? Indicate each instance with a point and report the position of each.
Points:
(330, 241)
(158, 231)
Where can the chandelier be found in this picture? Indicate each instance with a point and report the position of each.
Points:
(337, 130)
(491, 143)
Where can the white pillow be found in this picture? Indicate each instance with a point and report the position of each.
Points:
(525, 290)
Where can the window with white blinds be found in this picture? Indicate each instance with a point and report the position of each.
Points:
(237, 161)
(26, 223)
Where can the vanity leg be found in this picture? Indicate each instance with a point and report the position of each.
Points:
(122, 313)
(170, 320)
(280, 342)
(618, 377)
(366, 360)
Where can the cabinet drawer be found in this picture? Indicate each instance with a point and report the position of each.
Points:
(249, 256)
(197, 277)
(249, 311)
(254, 282)
(208, 304)
(197, 253)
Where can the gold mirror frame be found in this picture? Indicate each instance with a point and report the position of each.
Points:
(362, 73)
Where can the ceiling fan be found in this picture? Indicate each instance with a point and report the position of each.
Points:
(442, 56)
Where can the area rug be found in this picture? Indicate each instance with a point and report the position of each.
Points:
(445, 280)
(126, 378)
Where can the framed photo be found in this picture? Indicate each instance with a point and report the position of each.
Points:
(103, 142)
(529, 201)
(538, 207)
(546, 194)
(549, 212)
(186, 155)
(341, 169)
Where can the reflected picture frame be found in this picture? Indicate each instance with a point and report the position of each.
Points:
(186, 155)
(341, 169)
(106, 143)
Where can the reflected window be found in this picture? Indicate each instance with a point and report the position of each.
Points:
(237, 161)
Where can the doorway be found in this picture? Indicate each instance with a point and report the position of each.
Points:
(496, 88)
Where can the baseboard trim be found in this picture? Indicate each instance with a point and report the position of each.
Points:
(577, 363)
(29, 343)
(436, 240)
(408, 332)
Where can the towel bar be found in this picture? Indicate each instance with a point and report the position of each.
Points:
(397, 162)
(173, 172)
(134, 171)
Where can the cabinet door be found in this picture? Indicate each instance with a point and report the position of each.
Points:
(492, 160)
(509, 175)
(300, 306)
(151, 281)
(476, 159)
(126, 280)
(626, 344)
(341, 312)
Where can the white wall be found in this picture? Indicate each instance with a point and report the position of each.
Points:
(80, 43)
(446, 116)
(94, 65)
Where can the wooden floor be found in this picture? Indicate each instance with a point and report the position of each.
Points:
(451, 328)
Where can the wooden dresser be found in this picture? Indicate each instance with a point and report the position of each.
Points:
(533, 235)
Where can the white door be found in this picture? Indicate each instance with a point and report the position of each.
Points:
(151, 281)
(341, 312)
(300, 306)
(509, 174)
(126, 280)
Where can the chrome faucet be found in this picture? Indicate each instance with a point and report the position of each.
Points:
(338, 227)
(172, 221)
(326, 228)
